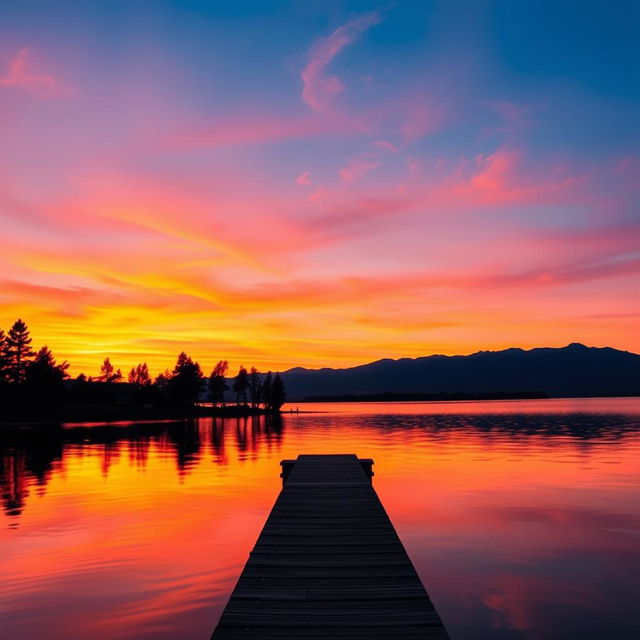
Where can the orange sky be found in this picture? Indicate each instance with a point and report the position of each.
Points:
(355, 196)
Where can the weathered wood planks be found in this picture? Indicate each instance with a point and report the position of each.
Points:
(329, 564)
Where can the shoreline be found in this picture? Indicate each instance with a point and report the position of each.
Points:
(444, 398)
(96, 415)
(109, 414)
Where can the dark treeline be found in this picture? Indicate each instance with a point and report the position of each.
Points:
(33, 384)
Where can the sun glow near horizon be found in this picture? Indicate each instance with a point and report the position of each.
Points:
(373, 184)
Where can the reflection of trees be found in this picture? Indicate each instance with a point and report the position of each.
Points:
(217, 440)
(139, 452)
(241, 435)
(184, 438)
(110, 454)
(273, 429)
(29, 456)
(251, 431)
(14, 483)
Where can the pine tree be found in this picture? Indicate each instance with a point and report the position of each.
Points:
(17, 352)
(3, 357)
(144, 377)
(218, 383)
(278, 393)
(267, 384)
(108, 372)
(184, 384)
(255, 387)
(140, 375)
(162, 380)
(240, 384)
(44, 380)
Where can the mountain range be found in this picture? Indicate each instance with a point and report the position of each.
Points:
(571, 371)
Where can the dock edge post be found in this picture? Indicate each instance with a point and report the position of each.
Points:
(287, 466)
(367, 465)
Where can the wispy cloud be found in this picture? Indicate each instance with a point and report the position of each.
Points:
(21, 75)
(303, 179)
(319, 87)
(498, 180)
(357, 168)
(384, 145)
(420, 118)
(361, 164)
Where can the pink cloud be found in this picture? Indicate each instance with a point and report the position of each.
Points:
(303, 179)
(366, 161)
(21, 75)
(311, 292)
(318, 88)
(357, 168)
(420, 118)
(384, 145)
(498, 180)
(493, 171)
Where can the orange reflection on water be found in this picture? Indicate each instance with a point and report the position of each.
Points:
(521, 518)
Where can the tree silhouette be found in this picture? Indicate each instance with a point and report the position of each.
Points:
(17, 352)
(3, 365)
(218, 383)
(240, 385)
(255, 387)
(184, 384)
(108, 372)
(3, 358)
(278, 393)
(4, 391)
(162, 380)
(267, 385)
(140, 375)
(31, 383)
(44, 380)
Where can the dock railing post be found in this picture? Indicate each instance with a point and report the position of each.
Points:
(367, 465)
(286, 465)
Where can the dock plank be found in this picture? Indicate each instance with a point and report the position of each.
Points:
(329, 564)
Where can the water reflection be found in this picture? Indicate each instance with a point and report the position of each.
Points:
(29, 456)
(521, 519)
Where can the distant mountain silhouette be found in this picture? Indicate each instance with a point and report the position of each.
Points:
(574, 370)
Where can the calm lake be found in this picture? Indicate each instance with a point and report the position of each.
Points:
(521, 517)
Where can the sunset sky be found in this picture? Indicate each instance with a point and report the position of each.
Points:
(318, 183)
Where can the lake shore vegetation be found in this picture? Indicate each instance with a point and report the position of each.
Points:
(35, 386)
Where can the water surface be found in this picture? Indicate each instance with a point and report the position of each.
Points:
(522, 517)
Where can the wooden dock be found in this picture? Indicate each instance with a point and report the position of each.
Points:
(329, 564)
